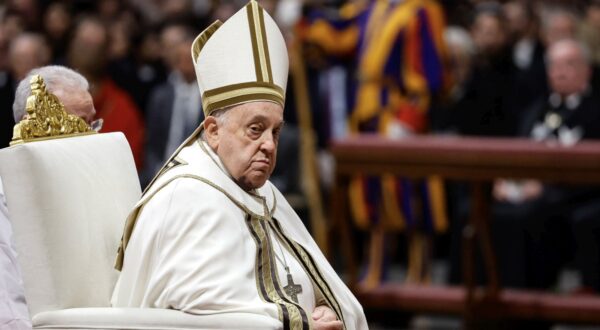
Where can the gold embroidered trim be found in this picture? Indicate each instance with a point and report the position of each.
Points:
(229, 95)
(256, 90)
(202, 38)
(258, 37)
(269, 287)
(310, 268)
(249, 84)
(243, 99)
(265, 45)
(255, 55)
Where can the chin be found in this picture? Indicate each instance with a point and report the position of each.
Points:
(252, 183)
(258, 184)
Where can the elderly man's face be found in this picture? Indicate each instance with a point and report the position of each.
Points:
(246, 141)
(568, 71)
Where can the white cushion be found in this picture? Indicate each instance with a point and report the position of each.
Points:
(68, 199)
(149, 318)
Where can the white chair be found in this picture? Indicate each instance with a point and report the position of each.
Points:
(68, 199)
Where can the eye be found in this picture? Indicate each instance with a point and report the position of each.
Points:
(254, 130)
(276, 133)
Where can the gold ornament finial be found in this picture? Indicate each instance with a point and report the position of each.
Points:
(46, 117)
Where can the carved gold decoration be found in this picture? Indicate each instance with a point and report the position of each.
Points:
(46, 117)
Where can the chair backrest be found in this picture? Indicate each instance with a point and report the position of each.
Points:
(68, 199)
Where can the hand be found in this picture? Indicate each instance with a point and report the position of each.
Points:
(325, 319)
(517, 191)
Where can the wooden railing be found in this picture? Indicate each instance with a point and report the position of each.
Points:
(477, 161)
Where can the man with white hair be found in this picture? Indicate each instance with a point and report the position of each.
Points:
(72, 90)
(212, 235)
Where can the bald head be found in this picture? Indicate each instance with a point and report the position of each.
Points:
(569, 69)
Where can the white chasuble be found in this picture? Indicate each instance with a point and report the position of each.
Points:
(197, 242)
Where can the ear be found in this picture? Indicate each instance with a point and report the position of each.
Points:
(211, 132)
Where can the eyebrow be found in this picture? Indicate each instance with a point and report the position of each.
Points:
(263, 118)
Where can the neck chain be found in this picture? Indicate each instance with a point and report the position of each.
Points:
(284, 260)
(291, 289)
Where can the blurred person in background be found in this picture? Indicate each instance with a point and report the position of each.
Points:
(397, 58)
(175, 107)
(197, 12)
(26, 51)
(486, 108)
(29, 11)
(590, 30)
(527, 53)
(461, 57)
(12, 24)
(558, 23)
(589, 33)
(57, 24)
(542, 219)
(88, 54)
(128, 66)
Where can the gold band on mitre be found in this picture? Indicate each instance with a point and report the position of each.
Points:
(241, 60)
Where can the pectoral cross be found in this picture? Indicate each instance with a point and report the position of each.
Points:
(292, 289)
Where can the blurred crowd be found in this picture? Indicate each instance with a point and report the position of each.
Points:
(483, 68)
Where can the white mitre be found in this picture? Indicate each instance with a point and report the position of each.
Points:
(242, 60)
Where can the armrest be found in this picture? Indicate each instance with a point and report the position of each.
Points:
(148, 318)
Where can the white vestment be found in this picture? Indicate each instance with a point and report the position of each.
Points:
(203, 245)
(13, 308)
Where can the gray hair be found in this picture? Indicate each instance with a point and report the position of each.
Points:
(221, 117)
(56, 77)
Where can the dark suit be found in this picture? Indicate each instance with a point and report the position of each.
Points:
(7, 121)
(536, 238)
(159, 114)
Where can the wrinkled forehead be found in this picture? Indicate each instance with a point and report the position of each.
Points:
(266, 110)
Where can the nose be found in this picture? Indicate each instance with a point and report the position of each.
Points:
(268, 144)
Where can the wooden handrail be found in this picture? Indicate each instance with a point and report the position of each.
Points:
(476, 160)
(468, 158)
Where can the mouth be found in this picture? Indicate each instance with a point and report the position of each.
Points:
(261, 164)
(262, 160)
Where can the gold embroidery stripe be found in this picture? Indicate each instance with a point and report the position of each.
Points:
(240, 92)
(218, 98)
(310, 268)
(266, 270)
(202, 38)
(260, 283)
(235, 87)
(265, 47)
(318, 277)
(292, 307)
(256, 56)
(260, 42)
(242, 99)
